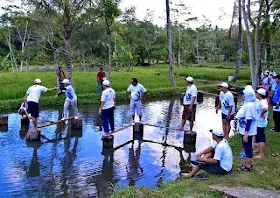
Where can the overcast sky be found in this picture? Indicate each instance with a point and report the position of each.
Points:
(211, 9)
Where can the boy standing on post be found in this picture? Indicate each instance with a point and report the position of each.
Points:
(135, 93)
(189, 103)
(107, 107)
(227, 106)
(32, 98)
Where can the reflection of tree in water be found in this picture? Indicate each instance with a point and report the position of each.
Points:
(185, 165)
(164, 139)
(134, 166)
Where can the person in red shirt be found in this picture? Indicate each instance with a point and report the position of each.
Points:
(100, 75)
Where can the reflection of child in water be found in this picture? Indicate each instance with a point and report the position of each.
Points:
(133, 160)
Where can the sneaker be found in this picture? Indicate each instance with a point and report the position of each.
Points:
(133, 122)
(63, 118)
(272, 129)
(76, 117)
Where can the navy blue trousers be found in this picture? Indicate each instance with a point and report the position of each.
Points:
(108, 118)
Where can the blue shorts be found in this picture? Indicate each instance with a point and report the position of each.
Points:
(213, 169)
(224, 117)
(33, 109)
(248, 147)
(260, 137)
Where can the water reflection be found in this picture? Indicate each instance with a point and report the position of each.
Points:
(69, 163)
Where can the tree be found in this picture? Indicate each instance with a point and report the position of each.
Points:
(240, 38)
(169, 40)
(108, 11)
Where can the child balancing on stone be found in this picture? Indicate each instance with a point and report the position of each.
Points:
(71, 99)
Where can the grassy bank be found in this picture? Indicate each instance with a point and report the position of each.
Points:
(265, 174)
(155, 79)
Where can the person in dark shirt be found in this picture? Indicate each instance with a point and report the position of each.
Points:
(100, 75)
(61, 77)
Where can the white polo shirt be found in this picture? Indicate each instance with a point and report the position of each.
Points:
(34, 93)
(190, 93)
(108, 96)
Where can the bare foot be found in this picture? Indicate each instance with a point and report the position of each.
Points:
(186, 175)
(259, 156)
(180, 129)
(188, 132)
(106, 135)
(256, 151)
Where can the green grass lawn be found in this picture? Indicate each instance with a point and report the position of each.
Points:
(155, 79)
(265, 174)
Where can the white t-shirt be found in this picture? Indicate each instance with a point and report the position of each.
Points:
(190, 93)
(265, 82)
(34, 93)
(261, 104)
(70, 93)
(108, 96)
(223, 153)
(273, 84)
(227, 100)
(248, 111)
(136, 91)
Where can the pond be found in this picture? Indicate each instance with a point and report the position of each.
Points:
(74, 165)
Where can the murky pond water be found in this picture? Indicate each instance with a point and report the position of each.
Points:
(72, 164)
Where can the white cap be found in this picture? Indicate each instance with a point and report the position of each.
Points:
(66, 81)
(261, 91)
(106, 83)
(37, 81)
(274, 74)
(189, 79)
(224, 84)
(218, 133)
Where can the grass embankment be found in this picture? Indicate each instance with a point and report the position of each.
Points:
(265, 174)
(155, 79)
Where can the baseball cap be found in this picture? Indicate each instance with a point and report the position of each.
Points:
(106, 83)
(37, 81)
(224, 84)
(261, 91)
(189, 79)
(216, 132)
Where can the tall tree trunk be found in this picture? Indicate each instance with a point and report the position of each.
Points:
(67, 35)
(169, 37)
(250, 45)
(197, 51)
(240, 42)
(109, 57)
(55, 58)
(179, 47)
(84, 62)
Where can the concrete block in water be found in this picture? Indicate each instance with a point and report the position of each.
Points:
(3, 120)
(32, 134)
(108, 142)
(4, 128)
(189, 148)
(190, 138)
(138, 136)
(76, 123)
(138, 128)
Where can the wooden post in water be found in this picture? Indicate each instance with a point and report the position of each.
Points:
(138, 131)
(190, 138)
(77, 124)
(189, 148)
(108, 142)
(217, 98)
(3, 120)
(24, 121)
(199, 97)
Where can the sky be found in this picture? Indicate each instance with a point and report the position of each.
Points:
(211, 9)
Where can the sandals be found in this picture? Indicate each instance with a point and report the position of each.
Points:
(244, 168)
(275, 154)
